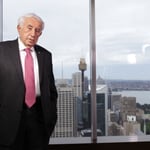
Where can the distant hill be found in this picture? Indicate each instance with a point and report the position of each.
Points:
(116, 85)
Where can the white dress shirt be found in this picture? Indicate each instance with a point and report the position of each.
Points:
(35, 61)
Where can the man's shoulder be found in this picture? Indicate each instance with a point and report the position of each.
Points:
(7, 42)
(41, 49)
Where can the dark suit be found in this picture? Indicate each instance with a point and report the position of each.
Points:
(12, 90)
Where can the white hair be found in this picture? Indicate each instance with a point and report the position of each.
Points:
(30, 15)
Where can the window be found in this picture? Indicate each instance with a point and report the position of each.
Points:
(122, 65)
(122, 42)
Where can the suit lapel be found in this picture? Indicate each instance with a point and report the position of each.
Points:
(40, 61)
(15, 57)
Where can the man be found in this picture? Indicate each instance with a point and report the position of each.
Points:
(26, 125)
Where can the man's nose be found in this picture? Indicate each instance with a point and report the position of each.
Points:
(33, 32)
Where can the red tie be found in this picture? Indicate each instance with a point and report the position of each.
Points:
(29, 79)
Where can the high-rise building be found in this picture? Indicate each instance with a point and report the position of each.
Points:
(77, 84)
(102, 103)
(65, 126)
(77, 87)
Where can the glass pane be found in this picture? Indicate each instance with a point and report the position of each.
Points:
(123, 59)
(66, 35)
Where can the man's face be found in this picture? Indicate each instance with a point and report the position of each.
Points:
(30, 31)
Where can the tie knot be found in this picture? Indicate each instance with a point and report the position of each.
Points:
(28, 50)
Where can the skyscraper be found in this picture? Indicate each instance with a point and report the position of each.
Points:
(65, 126)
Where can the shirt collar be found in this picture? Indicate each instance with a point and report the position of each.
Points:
(22, 46)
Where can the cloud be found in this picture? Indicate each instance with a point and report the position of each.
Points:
(122, 30)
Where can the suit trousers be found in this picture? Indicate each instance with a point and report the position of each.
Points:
(32, 133)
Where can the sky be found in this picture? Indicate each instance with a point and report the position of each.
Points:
(122, 35)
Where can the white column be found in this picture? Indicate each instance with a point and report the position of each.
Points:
(1, 20)
(93, 71)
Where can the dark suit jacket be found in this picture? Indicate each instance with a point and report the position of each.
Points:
(12, 90)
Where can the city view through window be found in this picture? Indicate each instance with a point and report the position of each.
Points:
(122, 65)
